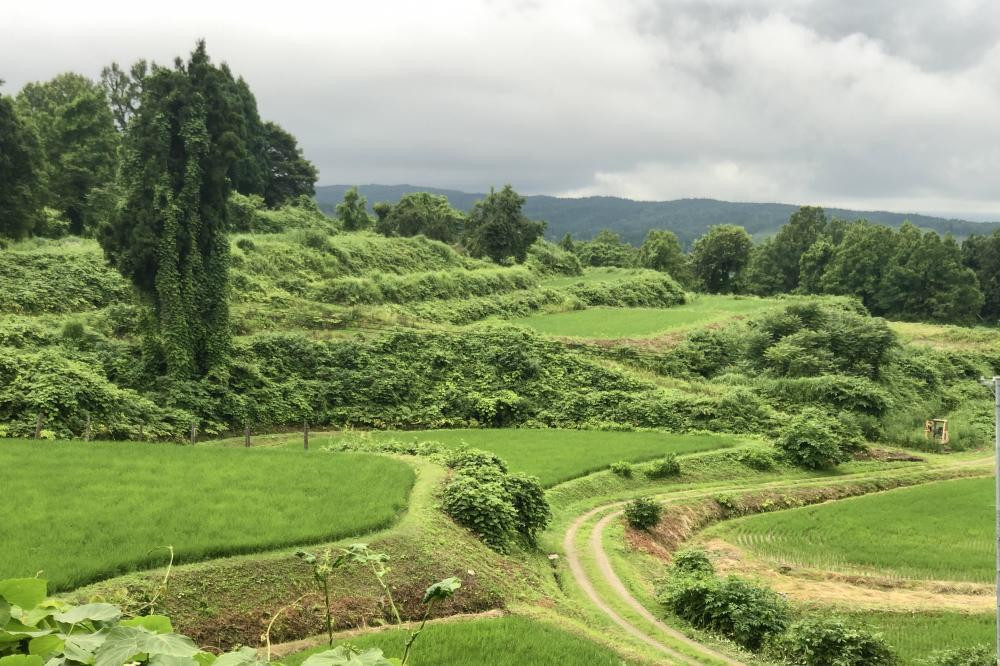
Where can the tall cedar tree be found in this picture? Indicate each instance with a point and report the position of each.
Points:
(982, 254)
(20, 173)
(498, 229)
(169, 236)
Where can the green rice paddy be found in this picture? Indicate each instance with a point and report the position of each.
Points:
(79, 512)
(939, 531)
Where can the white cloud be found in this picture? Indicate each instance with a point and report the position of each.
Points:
(858, 104)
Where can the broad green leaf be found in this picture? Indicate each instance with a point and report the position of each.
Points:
(120, 645)
(4, 612)
(21, 660)
(341, 656)
(246, 656)
(93, 612)
(442, 589)
(205, 658)
(123, 643)
(20, 630)
(24, 592)
(83, 647)
(45, 645)
(158, 624)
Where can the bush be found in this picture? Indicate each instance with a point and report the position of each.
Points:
(756, 458)
(979, 655)
(691, 561)
(622, 469)
(739, 610)
(484, 507)
(547, 258)
(833, 642)
(642, 513)
(476, 462)
(663, 468)
(532, 509)
(815, 440)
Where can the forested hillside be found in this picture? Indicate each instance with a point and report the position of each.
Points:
(632, 220)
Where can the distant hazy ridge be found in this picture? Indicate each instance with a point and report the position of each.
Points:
(688, 218)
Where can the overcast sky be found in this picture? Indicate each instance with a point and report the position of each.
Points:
(858, 103)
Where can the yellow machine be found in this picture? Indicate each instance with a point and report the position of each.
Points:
(936, 430)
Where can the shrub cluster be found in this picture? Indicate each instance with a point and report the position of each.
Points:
(666, 466)
(493, 504)
(978, 655)
(642, 513)
(745, 613)
(622, 469)
(815, 440)
(832, 642)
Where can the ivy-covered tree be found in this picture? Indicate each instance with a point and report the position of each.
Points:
(77, 133)
(169, 236)
(20, 173)
(606, 249)
(353, 211)
(420, 213)
(719, 257)
(661, 251)
(497, 228)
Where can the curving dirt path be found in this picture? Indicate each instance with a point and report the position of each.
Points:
(608, 577)
(580, 576)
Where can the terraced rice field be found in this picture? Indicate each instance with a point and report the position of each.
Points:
(79, 511)
(613, 323)
(915, 635)
(555, 455)
(938, 531)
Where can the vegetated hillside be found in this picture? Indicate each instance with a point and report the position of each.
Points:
(688, 218)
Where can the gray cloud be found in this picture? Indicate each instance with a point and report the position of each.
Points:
(868, 104)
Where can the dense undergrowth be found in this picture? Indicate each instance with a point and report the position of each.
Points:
(357, 329)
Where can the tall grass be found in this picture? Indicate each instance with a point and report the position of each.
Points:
(504, 641)
(84, 511)
(940, 531)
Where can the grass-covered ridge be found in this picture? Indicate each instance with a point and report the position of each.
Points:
(505, 641)
(553, 455)
(939, 531)
(126, 500)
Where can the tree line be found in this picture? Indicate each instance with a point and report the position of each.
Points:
(903, 273)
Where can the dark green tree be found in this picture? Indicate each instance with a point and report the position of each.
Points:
(793, 239)
(78, 139)
(497, 228)
(661, 251)
(859, 262)
(760, 276)
(353, 211)
(420, 213)
(169, 236)
(719, 257)
(813, 265)
(926, 280)
(607, 249)
(20, 173)
(982, 255)
(288, 174)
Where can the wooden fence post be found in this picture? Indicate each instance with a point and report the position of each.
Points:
(39, 421)
(305, 434)
(86, 430)
(141, 437)
(246, 435)
(194, 433)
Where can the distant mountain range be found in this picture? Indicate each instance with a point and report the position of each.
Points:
(688, 218)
